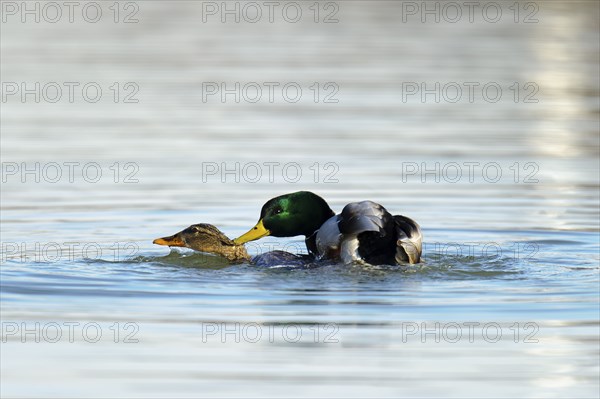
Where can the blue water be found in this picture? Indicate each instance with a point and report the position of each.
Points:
(504, 304)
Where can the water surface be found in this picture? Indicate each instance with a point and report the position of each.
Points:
(518, 256)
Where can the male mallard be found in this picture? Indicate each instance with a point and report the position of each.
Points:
(364, 231)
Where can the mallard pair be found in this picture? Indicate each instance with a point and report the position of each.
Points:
(364, 232)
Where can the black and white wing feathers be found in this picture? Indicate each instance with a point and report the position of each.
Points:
(366, 232)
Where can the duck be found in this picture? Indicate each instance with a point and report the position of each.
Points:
(364, 232)
(204, 237)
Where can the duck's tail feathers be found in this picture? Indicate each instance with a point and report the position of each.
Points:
(410, 240)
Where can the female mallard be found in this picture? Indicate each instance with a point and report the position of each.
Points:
(205, 237)
(364, 231)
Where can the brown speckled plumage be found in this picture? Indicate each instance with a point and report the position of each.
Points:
(205, 237)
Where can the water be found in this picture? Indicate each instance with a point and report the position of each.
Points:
(517, 254)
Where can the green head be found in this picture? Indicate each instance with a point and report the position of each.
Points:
(299, 213)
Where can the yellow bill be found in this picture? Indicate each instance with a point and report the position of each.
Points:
(255, 233)
(172, 241)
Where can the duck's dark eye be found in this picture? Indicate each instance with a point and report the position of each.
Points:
(278, 211)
